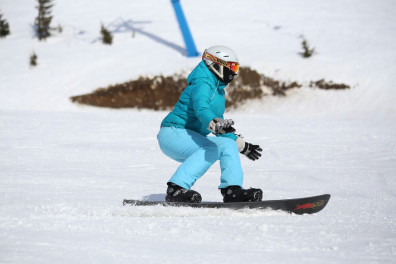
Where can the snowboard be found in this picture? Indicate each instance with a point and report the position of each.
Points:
(305, 205)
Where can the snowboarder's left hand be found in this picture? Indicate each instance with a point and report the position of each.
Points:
(249, 150)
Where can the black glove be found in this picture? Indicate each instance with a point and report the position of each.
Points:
(221, 126)
(252, 151)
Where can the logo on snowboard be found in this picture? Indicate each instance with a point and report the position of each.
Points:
(309, 205)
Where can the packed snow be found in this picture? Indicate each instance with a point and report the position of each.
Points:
(65, 168)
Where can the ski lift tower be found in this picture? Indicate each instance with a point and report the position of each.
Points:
(185, 30)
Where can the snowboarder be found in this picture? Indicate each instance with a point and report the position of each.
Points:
(199, 111)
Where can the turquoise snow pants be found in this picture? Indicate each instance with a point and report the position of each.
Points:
(197, 153)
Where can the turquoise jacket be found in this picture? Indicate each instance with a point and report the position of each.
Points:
(200, 102)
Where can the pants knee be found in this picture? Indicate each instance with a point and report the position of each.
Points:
(211, 152)
(227, 145)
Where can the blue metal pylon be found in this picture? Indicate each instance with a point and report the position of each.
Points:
(188, 39)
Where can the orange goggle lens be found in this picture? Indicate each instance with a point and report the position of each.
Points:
(233, 66)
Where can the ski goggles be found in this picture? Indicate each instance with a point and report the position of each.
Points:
(233, 66)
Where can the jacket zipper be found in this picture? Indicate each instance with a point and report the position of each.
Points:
(218, 82)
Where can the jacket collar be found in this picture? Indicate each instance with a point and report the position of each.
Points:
(219, 84)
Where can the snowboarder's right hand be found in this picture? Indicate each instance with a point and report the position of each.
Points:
(221, 126)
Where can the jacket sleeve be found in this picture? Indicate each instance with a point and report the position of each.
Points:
(229, 135)
(202, 94)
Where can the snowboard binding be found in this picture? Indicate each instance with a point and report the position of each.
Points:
(237, 194)
(176, 193)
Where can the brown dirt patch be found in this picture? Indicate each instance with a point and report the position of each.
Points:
(162, 92)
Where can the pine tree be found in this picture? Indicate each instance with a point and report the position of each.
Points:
(43, 19)
(4, 27)
(33, 59)
(307, 50)
(107, 38)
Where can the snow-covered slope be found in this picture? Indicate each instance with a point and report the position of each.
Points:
(64, 169)
(64, 176)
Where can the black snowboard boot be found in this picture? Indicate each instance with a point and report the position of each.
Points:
(175, 193)
(237, 194)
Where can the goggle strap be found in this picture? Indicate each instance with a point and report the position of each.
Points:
(229, 65)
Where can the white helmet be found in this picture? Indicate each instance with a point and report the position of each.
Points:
(222, 61)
